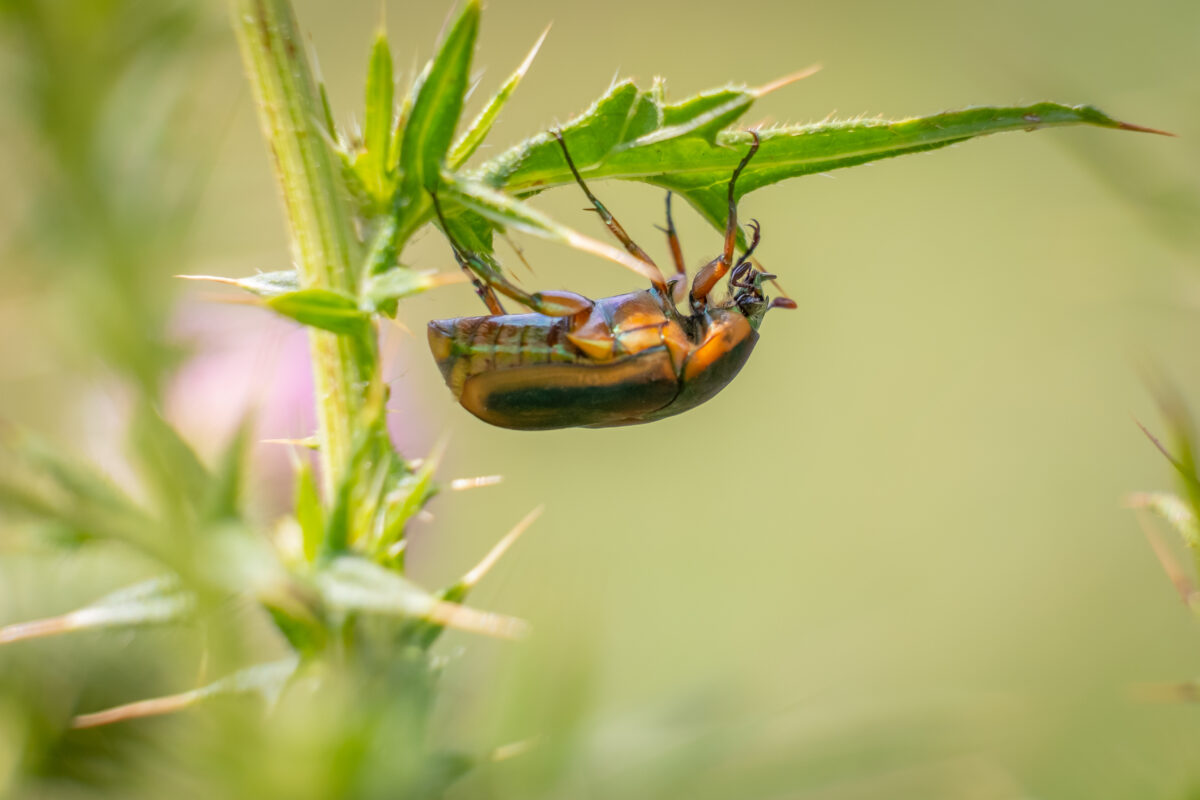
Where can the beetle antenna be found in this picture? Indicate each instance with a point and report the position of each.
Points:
(783, 292)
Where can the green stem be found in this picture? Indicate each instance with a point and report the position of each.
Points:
(323, 244)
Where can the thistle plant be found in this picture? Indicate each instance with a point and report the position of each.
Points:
(1180, 511)
(350, 674)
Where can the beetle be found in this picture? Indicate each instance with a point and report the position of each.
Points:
(621, 360)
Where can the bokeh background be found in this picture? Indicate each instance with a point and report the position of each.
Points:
(889, 560)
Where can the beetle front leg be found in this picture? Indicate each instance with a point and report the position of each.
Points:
(708, 277)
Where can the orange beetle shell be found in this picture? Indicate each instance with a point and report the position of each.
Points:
(621, 362)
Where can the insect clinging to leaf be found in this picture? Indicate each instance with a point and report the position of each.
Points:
(621, 360)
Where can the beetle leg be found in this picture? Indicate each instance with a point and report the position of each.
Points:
(680, 279)
(744, 266)
(485, 291)
(488, 281)
(609, 220)
(468, 262)
(713, 271)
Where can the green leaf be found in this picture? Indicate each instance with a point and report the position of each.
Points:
(155, 601)
(224, 501)
(81, 482)
(322, 308)
(169, 468)
(377, 126)
(635, 135)
(350, 584)
(478, 130)
(437, 107)
(384, 289)
(513, 213)
(266, 680)
(307, 509)
(265, 284)
(1175, 511)
(408, 496)
(38, 484)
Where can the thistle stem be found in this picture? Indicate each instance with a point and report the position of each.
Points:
(323, 245)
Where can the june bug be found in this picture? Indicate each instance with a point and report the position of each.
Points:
(619, 360)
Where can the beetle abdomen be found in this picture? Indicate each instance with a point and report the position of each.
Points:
(521, 371)
(474, 345)
(582, 394)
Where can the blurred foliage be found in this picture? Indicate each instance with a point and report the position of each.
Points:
(96, 88)
(303, 654)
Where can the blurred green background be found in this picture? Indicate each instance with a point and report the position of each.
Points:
(907, 572)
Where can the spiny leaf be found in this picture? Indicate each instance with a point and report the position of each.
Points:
(377, 126)
(169, 467)
(307, 509)
(266, 680)
(427, 633)
(437, 106)
(513, 213)
(403, 500)
(265, 284)
(78, 480)
(352, 584)
(634, 135)
(482, 125)
(395, 284)
(321, 308)
(224, 501)
(155, 601)
(37, 484)
(1174, 510)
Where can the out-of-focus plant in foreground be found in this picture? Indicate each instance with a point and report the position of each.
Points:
(341, 654)
(1180, 510)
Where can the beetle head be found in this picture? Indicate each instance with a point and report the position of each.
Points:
(746, 288)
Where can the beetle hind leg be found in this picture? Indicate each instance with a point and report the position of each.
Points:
(488, 282)
(610, 221)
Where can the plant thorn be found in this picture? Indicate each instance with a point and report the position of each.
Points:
(786, 80)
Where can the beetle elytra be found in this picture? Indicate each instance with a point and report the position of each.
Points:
(627, 359)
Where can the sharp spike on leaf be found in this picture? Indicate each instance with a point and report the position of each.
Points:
(38, 628)
(1129, 126)
(265, 284)
(267, 680)
(513, 213)
(1172, 509)
(787, 80)
(308, 442)
(513, 749)
(462, 484)
(1162, 448)
(155, 601)
(482, 125)
(1170, 565)
(351, 583)
(481, 569)
(485, 623)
